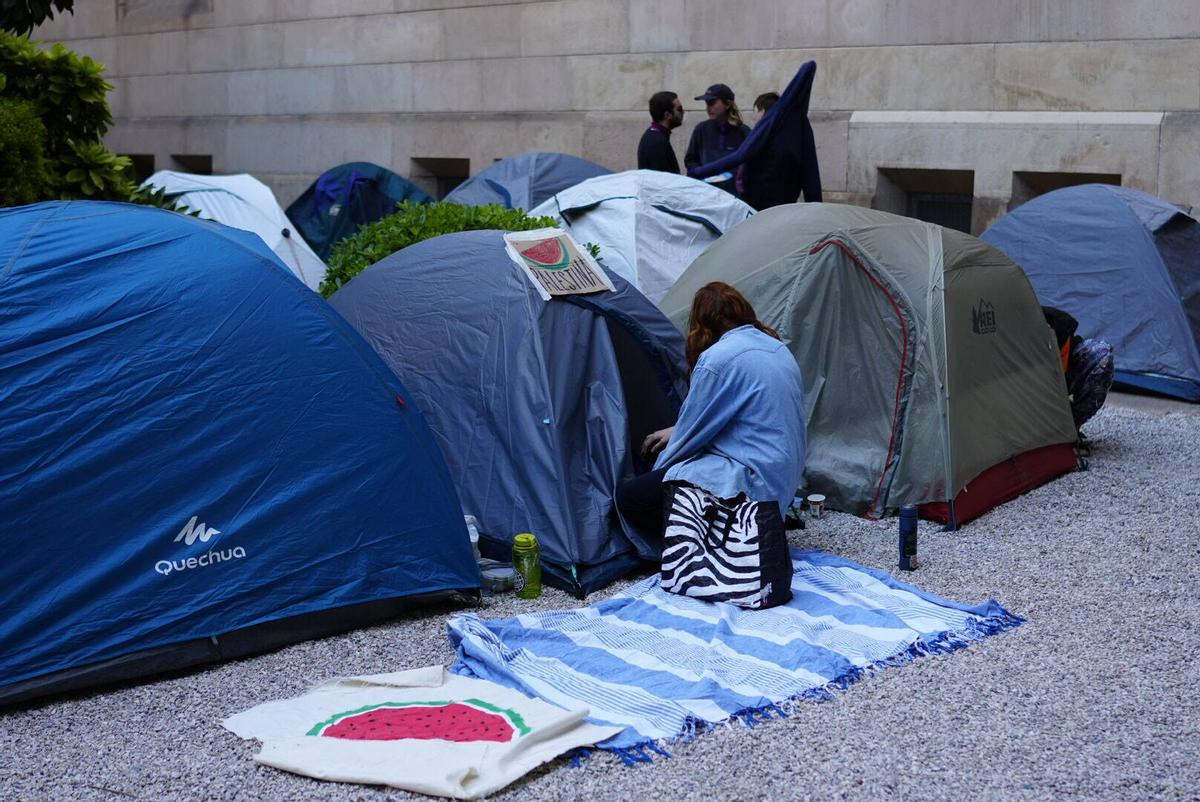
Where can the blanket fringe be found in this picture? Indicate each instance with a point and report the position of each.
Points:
(750, 717)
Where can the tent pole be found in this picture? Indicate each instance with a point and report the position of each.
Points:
(937, 284)
(952, 518)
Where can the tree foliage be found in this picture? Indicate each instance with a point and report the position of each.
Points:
(412, 223)
(22, 16)
(67, 94)
(22, 160)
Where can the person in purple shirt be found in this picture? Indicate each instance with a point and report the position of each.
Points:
(741, 428)
(718, 136)
(654, 150)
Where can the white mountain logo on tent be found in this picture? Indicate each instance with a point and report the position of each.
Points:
(983, 318)
(193, 531)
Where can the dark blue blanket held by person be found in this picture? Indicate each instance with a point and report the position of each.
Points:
(778, 160)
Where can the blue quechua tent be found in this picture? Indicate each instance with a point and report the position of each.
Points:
(525, 180)
(199, 459)
(346, 198)
(539, 406)
(1126, 265)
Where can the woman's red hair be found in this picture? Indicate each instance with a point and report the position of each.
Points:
(717, 308)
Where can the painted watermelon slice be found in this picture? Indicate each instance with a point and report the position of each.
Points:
(466, 721)
(548, 254)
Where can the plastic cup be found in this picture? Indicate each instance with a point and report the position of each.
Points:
(816, 505)
(473, 533)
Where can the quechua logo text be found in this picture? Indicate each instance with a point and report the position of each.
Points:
(195, 531)
(983, 318)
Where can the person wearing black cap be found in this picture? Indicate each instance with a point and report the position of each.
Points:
(654, 150)
(718, 136)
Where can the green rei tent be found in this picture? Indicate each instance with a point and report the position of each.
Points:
(930, 375)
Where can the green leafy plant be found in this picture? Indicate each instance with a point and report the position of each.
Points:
(94, 171)
(157, 196)
(68, 90)
(67, 94)
(22, 16)
(412, 223)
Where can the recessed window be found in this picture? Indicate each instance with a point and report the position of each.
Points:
(1027, 185)
(944, 197)
(193, 163)
(141, 165)
(947, 209)
(438, 176)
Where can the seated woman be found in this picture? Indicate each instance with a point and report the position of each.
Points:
(741, 428)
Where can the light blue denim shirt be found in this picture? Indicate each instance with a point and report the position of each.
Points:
(741, 428)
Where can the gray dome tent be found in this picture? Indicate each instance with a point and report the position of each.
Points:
(928, 367)
(536, 405)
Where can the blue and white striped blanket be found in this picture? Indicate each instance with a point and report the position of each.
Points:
(662, 665)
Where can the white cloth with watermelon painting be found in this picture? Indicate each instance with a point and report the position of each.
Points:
(424, 730)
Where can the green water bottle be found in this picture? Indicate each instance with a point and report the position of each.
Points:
(527, 566)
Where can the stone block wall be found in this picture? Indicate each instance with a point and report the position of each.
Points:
(287, 88)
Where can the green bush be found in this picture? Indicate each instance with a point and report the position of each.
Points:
(23, 176)
(412, 223)
(66, 93)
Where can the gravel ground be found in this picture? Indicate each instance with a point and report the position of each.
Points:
(1094, 698)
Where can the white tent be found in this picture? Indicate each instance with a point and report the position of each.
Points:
(650, 225)
(242, 201)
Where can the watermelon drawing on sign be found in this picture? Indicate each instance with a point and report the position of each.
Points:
(549, 254)
(467, 721)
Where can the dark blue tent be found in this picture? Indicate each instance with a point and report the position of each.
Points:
(538, 406)
(1126, 265)
(346, 198)
(779, 159)
(525, 180)
(198, 457)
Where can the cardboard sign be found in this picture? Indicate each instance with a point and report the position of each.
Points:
(555, 264)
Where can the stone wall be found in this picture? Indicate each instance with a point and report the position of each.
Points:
(286, 88)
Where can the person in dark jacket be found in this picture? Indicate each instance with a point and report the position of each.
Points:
(764, 102)
(718, 136)
(654, 150)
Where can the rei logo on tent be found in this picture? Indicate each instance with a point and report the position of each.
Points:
(983, 318)
(193, 531)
